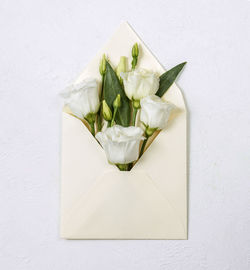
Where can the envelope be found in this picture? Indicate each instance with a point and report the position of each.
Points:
(100, 202)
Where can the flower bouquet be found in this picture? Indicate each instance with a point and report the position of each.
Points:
(127, 96)
(121, 99)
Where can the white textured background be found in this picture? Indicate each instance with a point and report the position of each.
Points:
(46, 44)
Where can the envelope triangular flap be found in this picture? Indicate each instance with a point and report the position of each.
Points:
(98, 205)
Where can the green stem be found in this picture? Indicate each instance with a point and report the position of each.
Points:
(99, 115)
(91, 118)
(99, 122)
(113, 118)
(143, 146)
(109, 123)
(92, 126)
(134, 116)
(122, 167)
(130, 165)
(134, 62)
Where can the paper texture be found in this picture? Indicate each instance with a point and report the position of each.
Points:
(100, 202)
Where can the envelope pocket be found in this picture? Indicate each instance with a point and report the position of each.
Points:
(123, 205)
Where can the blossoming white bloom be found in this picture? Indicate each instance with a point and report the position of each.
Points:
(155, 112)
(83, 98)
(140, 83)
(121, 144)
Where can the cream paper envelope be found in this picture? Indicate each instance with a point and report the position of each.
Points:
(100, 202)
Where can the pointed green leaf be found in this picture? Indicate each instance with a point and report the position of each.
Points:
(167, 79)
(111, 88)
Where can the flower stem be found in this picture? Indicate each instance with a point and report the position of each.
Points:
(143, 146)
(91, 118)
(134, 62)
(113, 118)
(99, 115)
(148, 133)
(134, 116)
(109, 123)
(92, 126)
(130, 165)
(99, 122)
(122, 167)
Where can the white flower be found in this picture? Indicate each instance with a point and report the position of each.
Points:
(155, 112)
(121, 144)
(83, 98)
(140, 83)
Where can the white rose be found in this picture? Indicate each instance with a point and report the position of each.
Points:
(121, 144)
(155, 112)
(140, 83)
(83, 98)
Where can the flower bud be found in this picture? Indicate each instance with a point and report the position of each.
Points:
(122, 66)
(106, 112)
(135, 50)
(117, 101)
(102, 67)
(136, 104)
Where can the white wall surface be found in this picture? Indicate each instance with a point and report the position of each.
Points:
(43, 46)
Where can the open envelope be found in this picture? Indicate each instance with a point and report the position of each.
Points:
(100, 202)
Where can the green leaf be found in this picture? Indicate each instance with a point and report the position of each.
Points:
(167, 79)
(111, 88)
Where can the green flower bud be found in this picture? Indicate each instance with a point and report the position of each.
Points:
(135, 53)
(117, 101)
(102, 67)
(122, 66)
(106, 112)
(135, 50)
(136, 104)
